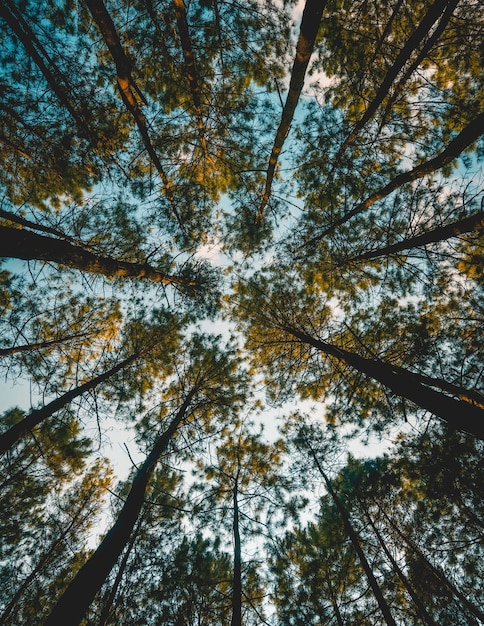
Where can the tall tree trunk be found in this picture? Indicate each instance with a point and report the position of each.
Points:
(129, 91)
(459, 414)
(39, 345)
(17, 219)
(311, 20)
(43, 561)
(403, 57)
(191, 70)
(470, 224)
(463, 140)
(111, 594)
(18, 430)
(435, 571)
(54, 77)
(74, 602)
(353, 536)
(17, 243)
(421, 610)
(237, 579)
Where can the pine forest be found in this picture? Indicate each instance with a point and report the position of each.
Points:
(241, 313)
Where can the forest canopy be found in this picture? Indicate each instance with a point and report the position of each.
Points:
(242, 280)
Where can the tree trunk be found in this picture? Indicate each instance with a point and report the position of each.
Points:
(74, 602)
(55, 79)
(237, 580)
(15, 432)
(459, 414)
(111, 594)
(470, 224)
(129, 90)
(22, 244)
(404, 55)
(191, 70)
(39, 345)
(353, 536)
(310, 22)
(463, 140)
(437, 573)
(421, 610)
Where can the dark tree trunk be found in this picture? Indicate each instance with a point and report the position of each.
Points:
(310, 23)
(129, 90)
(39, 345)
(470, 224)
(450, 588)
(17, 243)
(13, 434)
(403, 57)
(191, 69)
(422, 611)
(74, 602)
(353, 536)
(237, 580)
(464, 139)
(459, 414)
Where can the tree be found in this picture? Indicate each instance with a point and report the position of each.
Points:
(206, 370)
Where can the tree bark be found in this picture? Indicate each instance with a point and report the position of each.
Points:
(470, 224)
(75, 600)
(463, 140)
(403, 57)
(353, 536)
(459, 414)
(18, 243)
(311, 20)
(237, 580)
(15, 432)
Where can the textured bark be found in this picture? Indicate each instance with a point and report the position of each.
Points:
(470, 224)
(353, 536)
(463, 140)
(310, 23)
(237, 579)
(459, 414)
(17, 243)
(75, 600)
(129, 90)
(18, 430)
(403, 57)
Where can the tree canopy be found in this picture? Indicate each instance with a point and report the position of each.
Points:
(241, 276)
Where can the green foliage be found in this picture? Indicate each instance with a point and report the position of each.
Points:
(135, 140)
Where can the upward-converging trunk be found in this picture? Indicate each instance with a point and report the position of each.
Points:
(75, 600)
(464, 414)
(461, 142)
(237, 580)
(353, 536)
(17, 243)
(129, 90)
(412, 43)
(18, 430)
(310, 22)
(470, 224)
(191, 69)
